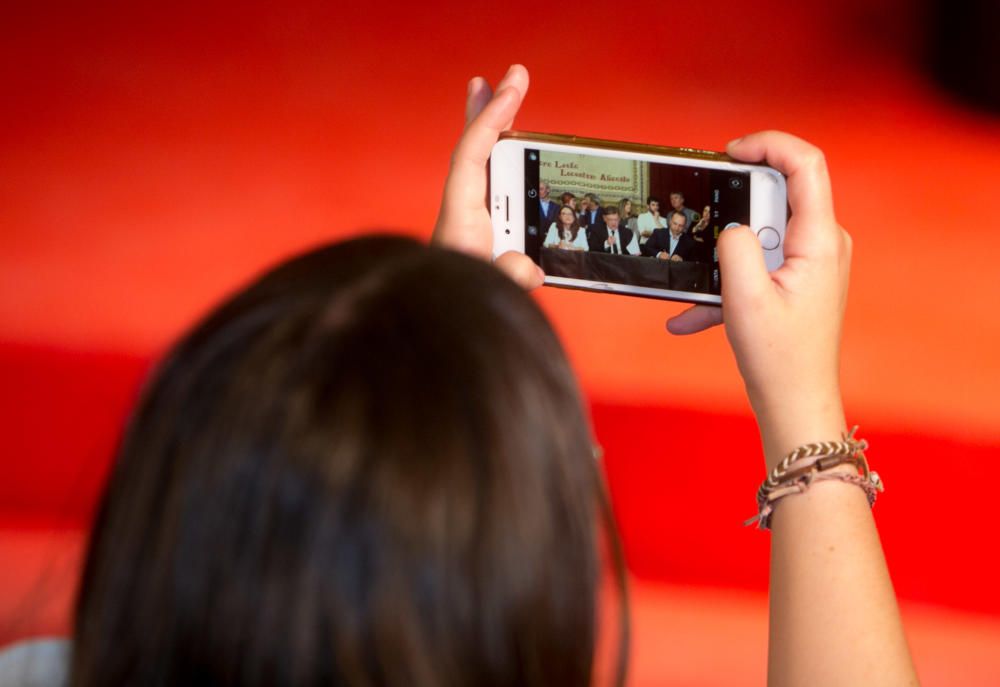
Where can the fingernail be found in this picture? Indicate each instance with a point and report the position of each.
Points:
(541, 273)
(735, 141)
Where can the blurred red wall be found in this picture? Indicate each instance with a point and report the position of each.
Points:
(154, 158)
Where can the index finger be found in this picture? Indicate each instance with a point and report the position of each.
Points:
(809, 193)
(465, 188)
(476, 143)
(480, 92)
(486, 121)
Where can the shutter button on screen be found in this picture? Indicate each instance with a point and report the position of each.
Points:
(769, 238)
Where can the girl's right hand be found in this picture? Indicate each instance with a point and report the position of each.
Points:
(784, 327)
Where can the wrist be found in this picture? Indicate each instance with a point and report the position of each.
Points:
(793, 422)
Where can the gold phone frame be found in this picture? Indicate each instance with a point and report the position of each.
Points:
(622, 146)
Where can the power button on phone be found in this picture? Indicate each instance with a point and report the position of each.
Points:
(769, 238)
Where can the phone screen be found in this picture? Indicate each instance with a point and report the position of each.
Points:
(626, 221)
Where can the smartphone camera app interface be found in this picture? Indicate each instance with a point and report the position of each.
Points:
(630, 222)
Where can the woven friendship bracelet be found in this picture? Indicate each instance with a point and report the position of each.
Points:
(848, 447)
(811, 463)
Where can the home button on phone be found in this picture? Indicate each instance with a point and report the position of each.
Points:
(769, 238)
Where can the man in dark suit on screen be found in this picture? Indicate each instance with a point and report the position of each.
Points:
(592, 216)
(672, 243)
(548, 209)
(613, 238)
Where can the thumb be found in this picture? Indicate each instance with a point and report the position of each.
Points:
(521, 269)
(741, 262)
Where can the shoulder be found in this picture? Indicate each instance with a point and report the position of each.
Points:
(35, 663)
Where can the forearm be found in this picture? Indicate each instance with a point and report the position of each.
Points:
(834, 619)
(790, 417)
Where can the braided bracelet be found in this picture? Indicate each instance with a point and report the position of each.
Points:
(811, 463)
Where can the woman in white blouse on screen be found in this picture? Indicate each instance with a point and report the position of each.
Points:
(566, 232)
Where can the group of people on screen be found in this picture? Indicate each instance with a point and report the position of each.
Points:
(585, 224)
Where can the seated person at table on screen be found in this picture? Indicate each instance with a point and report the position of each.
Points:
(566, 232)
(672, 243)
(611, 237)
(650, 220)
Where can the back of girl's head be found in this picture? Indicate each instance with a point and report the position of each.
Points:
(370, 467)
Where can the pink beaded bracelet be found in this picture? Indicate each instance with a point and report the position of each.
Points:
(812, 463)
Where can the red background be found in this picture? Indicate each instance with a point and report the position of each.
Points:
(153, 159)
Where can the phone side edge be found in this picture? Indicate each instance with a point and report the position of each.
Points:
(506, 178)
(694, 298)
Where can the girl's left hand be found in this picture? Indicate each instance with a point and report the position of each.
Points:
(464, 220)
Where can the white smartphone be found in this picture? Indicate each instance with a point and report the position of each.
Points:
(629, 218)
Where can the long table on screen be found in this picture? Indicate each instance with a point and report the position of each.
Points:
(628, 269)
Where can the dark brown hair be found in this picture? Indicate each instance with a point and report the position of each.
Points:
(574, 227)
(370, 467)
